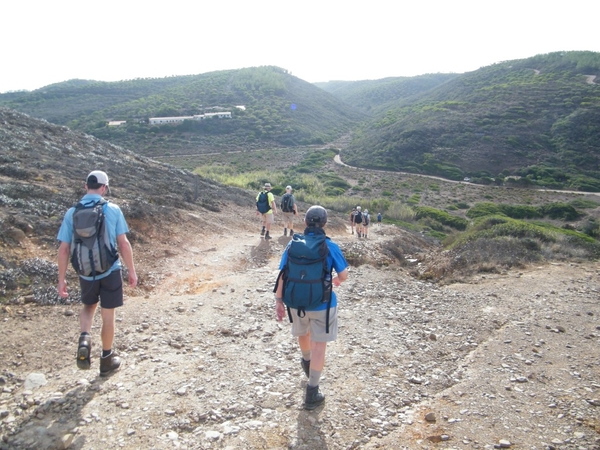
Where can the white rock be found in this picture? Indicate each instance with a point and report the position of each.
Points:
(212, 435)
(35, 380)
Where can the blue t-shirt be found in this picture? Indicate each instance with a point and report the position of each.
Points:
(115, 224)
(335, 260)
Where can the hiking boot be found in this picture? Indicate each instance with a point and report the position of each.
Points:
(262, 232)
(305, 366)
(313, 397)
(83, 352)
(267, 236)
(108, 364)
(291, 233)
(285, 232)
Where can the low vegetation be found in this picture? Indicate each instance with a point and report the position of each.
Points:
(479, 236)
(529, 122)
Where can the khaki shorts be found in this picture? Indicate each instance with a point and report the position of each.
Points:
(314, 321)
(288, 219)
(268, 218)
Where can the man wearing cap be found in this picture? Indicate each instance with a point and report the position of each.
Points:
(313, 329)
(268, 217)
(107, 287)
(358, 222)
(289, 209)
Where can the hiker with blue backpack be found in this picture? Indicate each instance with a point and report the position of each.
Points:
(266, 207)
(92, 234)
(305, 288)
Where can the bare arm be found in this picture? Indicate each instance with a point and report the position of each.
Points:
(340, 278)
(127, 255)
(64, 251)
(279, 306)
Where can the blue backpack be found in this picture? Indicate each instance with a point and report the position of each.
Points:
(306, 278)
(262, 204)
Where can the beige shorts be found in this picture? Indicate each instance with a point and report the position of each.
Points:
(314, 321)
(288, 220)
(268, 218)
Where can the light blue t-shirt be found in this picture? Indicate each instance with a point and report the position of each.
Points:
(335, 260)
(115, 224)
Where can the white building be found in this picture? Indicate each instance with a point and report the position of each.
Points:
(180, 119)
(220, 115)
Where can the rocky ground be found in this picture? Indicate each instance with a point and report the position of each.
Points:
(502, 361)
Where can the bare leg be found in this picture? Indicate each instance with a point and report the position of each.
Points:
(317, 360)
(86, 317)
(108, 328)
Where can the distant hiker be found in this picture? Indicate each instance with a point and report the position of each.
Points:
(305, 287)
(358, 222)
(98, 266)
(379, 217)
(289, 209)
(352, 214)
(366, 223)
(265, 206)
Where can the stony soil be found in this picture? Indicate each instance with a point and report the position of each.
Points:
(507, 360)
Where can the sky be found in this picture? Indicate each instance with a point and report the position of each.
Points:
(46, 42)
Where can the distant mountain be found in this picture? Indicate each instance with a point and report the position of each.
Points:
(377, 96)
(530, 121)
(276, 109)
(536, 118)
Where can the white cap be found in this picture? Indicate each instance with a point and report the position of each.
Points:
(288, 188)
(98, 177)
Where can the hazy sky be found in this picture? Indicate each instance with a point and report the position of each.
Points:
(45, 42)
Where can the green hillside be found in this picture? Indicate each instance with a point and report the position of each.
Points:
(534, 121)
(278, 109)
(377, 96)
(536, 118)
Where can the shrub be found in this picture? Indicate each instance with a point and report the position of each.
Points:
(560, 211)
(442, 217)
(583, 203)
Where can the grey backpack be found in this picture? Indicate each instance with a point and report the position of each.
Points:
(91, 251)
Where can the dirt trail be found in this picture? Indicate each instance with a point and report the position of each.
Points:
(509, 358)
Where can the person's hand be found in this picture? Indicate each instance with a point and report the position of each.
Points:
(336, 281)
(62, 289)
(133, 279)
(279, 310)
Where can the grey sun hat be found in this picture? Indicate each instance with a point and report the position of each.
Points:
(267, 185)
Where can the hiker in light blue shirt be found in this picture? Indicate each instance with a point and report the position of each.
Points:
(105, 288)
